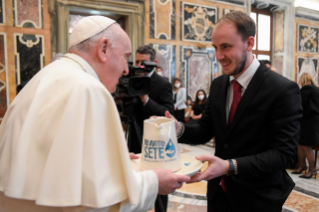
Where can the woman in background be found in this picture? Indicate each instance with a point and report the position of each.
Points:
(309, 125)
(188, 109)
(198, 106)
(179, 96)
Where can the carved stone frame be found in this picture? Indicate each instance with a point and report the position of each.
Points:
(59, 12)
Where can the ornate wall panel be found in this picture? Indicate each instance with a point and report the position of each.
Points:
(162, 19)
(197, 22)
(307, 65)
(2, 14)
(28, 13)
(3, 76)
(197, 69)
(165, 55)
(279, 64)
(307, 38)
(279, 32)
(29, 56)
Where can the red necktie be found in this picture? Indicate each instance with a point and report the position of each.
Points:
(236, 99)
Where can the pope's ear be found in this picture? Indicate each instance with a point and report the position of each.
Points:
(250, 43)
(102, 49)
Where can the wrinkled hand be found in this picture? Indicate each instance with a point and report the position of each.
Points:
(216, 167)
(168, 181)
(133, 156)
(168, 115)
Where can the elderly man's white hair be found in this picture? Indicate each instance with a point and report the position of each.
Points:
(112, 33)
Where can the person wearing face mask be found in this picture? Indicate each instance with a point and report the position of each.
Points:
(159, 71)
(198, 106)
(179, 97)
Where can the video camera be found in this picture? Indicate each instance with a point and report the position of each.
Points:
(134, 85)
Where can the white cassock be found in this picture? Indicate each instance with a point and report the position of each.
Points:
(62, 145)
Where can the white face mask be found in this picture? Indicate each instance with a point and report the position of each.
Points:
(177, 85)
(160, 73)
(201, 97)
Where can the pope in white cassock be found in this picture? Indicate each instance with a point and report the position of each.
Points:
(62, 147)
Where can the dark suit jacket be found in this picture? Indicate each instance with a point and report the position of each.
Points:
(160, 100)
(309, 124)
(262, 138)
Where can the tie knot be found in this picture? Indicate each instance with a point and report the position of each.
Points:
(236, 86)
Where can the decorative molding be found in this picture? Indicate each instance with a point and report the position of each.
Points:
(2, 13)
(134, 13)
(305, 13)
(27, 22)
(6, 68)
(28, 62)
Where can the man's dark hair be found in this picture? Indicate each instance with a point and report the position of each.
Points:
(146, 49)
(266, 62)
(245, 25)
(159, 67)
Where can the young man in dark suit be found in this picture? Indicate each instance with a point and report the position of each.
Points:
(254, 115)
(159, 100)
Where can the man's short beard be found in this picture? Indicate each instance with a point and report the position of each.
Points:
(240, 67)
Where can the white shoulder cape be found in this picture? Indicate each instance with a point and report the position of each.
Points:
(61, 141)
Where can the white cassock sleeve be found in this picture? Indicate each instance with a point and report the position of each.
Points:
(147, 180)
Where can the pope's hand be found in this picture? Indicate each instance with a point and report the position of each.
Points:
(216, 167)
(168, 181)
(133, 156)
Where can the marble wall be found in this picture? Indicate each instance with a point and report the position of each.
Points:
(24, 44)
(278, 54)
(180, 31)
(3, 77)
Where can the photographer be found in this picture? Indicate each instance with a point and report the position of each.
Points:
(62, 146)
(159, 99)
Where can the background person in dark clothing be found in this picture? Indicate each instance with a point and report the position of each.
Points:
(155, 103)
(198, 106)
(309, 125)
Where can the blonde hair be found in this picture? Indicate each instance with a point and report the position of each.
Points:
(306, 79)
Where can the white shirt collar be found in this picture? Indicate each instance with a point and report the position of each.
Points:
(245, 78)
(81, 62)
(150, 74)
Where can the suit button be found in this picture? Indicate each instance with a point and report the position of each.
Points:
(226, 145)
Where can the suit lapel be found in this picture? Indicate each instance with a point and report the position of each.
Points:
(153, 83)
(250, 92)
(224, 89)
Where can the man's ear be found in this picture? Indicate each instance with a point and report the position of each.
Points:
(102, 49)
(250, 43)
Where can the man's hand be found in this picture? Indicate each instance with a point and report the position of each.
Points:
(168, 182)
(144, 98)
(216, 167)
(133, 156)
(168, 115)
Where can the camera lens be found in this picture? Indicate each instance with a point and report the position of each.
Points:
(138, 85)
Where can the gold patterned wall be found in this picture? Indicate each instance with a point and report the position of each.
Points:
(24, 44)
(306, 48)
(278, 54)
(180, 31)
